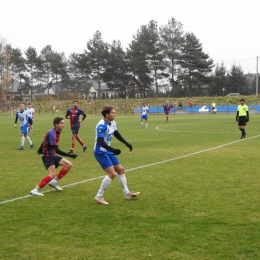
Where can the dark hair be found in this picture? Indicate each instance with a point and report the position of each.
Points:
(57, 120)
(242, 100)
(74, 101)
(106, 110)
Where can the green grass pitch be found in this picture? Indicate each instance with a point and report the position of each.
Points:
(199, 185)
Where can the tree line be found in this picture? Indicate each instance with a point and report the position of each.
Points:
(157, 57)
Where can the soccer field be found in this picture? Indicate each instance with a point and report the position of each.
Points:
(199, 193)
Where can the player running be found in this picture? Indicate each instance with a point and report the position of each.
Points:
(22, 115)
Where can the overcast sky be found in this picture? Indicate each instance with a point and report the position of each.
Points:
(229, 30)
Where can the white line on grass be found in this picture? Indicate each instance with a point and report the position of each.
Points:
(137, 168)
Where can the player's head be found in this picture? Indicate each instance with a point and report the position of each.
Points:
(21, 107)
(242, 101)
(29, 104)
(75, 103)
(57, 120)
(107, 110)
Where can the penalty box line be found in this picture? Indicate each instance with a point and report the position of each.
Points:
(137, 168)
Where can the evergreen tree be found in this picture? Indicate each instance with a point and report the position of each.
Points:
(219, 80)
(236, 80)
(138, 57)
(97, 52)
(117, 75)
(196, 65)
(32, 61)
(171, 40)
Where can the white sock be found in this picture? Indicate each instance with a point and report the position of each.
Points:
(22, 140)
(28, 139)
(122, 181)
(146, 124)
(106, 181)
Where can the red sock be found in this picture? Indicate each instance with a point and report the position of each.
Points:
(167, 118)
(72, 146)
(44, 181)
(82, 144)
(62, 173)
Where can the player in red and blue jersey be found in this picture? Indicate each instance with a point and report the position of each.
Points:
(167, 108)
(73, 114)
(49, 150)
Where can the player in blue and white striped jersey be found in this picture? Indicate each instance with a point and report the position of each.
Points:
(106, 155)
(22, 115)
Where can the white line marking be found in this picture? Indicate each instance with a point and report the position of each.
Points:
(137, 168)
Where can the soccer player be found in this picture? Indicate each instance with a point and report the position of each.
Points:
(31, 116)
(73, 114)
(167, 108)
(242, 117)
(106, 155)
(22, 115)
(49, 150)
(144, 115)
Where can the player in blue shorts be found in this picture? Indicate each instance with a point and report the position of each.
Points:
(144, 115)
(22, 115)
(49, 150)
(106, 155)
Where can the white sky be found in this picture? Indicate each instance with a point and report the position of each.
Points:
(229, 30)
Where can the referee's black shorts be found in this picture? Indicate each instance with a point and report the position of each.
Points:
(242, 120)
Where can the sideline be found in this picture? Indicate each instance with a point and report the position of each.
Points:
(137, 168)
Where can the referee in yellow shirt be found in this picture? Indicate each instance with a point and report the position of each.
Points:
(242, 117)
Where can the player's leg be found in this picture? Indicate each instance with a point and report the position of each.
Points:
(123, 182)
(67, 165)
(49, 164)
(73, 138)
(105, 162)
(81, 142)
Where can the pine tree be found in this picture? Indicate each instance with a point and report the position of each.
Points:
(196, 65)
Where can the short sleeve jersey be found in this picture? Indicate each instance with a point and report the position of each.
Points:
(242, 110)
(74, 116)
(50, 139)
(106, 131)
(144, 110)
(30, 112)
(22, 116)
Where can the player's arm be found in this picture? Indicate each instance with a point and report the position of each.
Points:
(15, 121)
(84, 116)
(58, 151)
(237, 115)
(247, 116)
(39, 151)
(119, 137)
(101, 142)
(67, 116)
